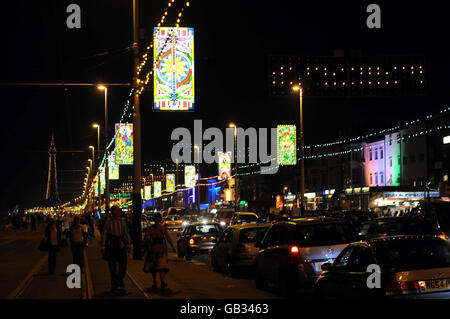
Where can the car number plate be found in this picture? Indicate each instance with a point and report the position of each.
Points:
(431, 285)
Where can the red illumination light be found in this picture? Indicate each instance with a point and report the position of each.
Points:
(294, 250)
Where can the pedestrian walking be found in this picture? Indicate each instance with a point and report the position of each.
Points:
(33, 223)
(77, 243)
(115, 242)
(156, 238)
(53, 237)
(85, 229)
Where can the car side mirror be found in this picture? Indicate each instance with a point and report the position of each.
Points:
(326, 266)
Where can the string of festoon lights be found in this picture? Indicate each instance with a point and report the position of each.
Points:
(145, 56)
(358, 138)
(144, 61)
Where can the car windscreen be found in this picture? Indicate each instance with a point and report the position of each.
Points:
(408, 227)
(173, 217)
(252, 235)
(205, 229)
(325, 234)
(416, 254)
(247, 217)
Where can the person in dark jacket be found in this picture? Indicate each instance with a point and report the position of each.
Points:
(33, 223)
(77, 243)
(53, 237)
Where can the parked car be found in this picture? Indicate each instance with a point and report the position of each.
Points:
(224, 216)
(189, 219)
(174, 222)
(197, 238)
(235, 248)
(206, 218)
(291, 253)
(244, 218)
(180, 211)
(410, 267)
(390, 226)
(356, 217)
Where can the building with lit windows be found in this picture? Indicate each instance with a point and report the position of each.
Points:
(348, 74)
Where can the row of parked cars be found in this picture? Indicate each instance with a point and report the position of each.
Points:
(330, 254)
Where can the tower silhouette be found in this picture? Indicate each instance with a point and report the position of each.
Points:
(52, 195)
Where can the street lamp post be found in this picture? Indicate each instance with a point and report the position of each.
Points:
(302, 162)
(98, 163)
(137, 200)
(198, 180)
(236, 186)
(104, 88)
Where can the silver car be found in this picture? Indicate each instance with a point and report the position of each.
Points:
(291, 253)
(235, 248)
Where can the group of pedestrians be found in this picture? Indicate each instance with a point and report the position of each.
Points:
(115, 246)
(18, 222)
(59, 232)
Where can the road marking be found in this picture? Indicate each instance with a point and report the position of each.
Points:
(88, 291)
(147, 296)
(27, 280)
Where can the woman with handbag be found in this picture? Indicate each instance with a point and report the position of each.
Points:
(53, 238)
(156, 239)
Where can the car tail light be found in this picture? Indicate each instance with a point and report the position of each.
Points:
(294, 251)
(402, 288)
(191, 241)
(443, 236)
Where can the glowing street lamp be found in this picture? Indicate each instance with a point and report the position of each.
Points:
(302, 162)
(104, 88)
(236, 189)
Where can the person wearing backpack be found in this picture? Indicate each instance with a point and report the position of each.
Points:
(115, 243)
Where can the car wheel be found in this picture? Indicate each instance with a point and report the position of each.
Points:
(214, 263)
(285, 286)
(230, 269)
(260, 282)
(180, 254)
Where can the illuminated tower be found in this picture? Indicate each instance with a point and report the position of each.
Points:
(52, 194)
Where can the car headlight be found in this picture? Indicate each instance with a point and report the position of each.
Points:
(185, 223)
(204, 222)
(222, 223)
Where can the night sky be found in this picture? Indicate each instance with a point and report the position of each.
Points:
(233, 40)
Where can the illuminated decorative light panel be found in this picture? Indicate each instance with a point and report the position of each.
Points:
(224, 165)
(286, 145)
(124, 144)
(157, 189)
(189, 176)
(173, 75)
(147, 192)
(170, 182)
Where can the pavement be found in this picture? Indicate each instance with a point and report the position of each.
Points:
(24, 272)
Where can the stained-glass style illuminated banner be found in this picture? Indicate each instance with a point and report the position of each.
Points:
(102, 180)
(113, 167)
(157, 189)
(286, 145)
(189, 176)
(147, 192)
(170, 182)
(173, 69)
(142, 193)
(96, 185)
(124, 144)
(224, 165)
